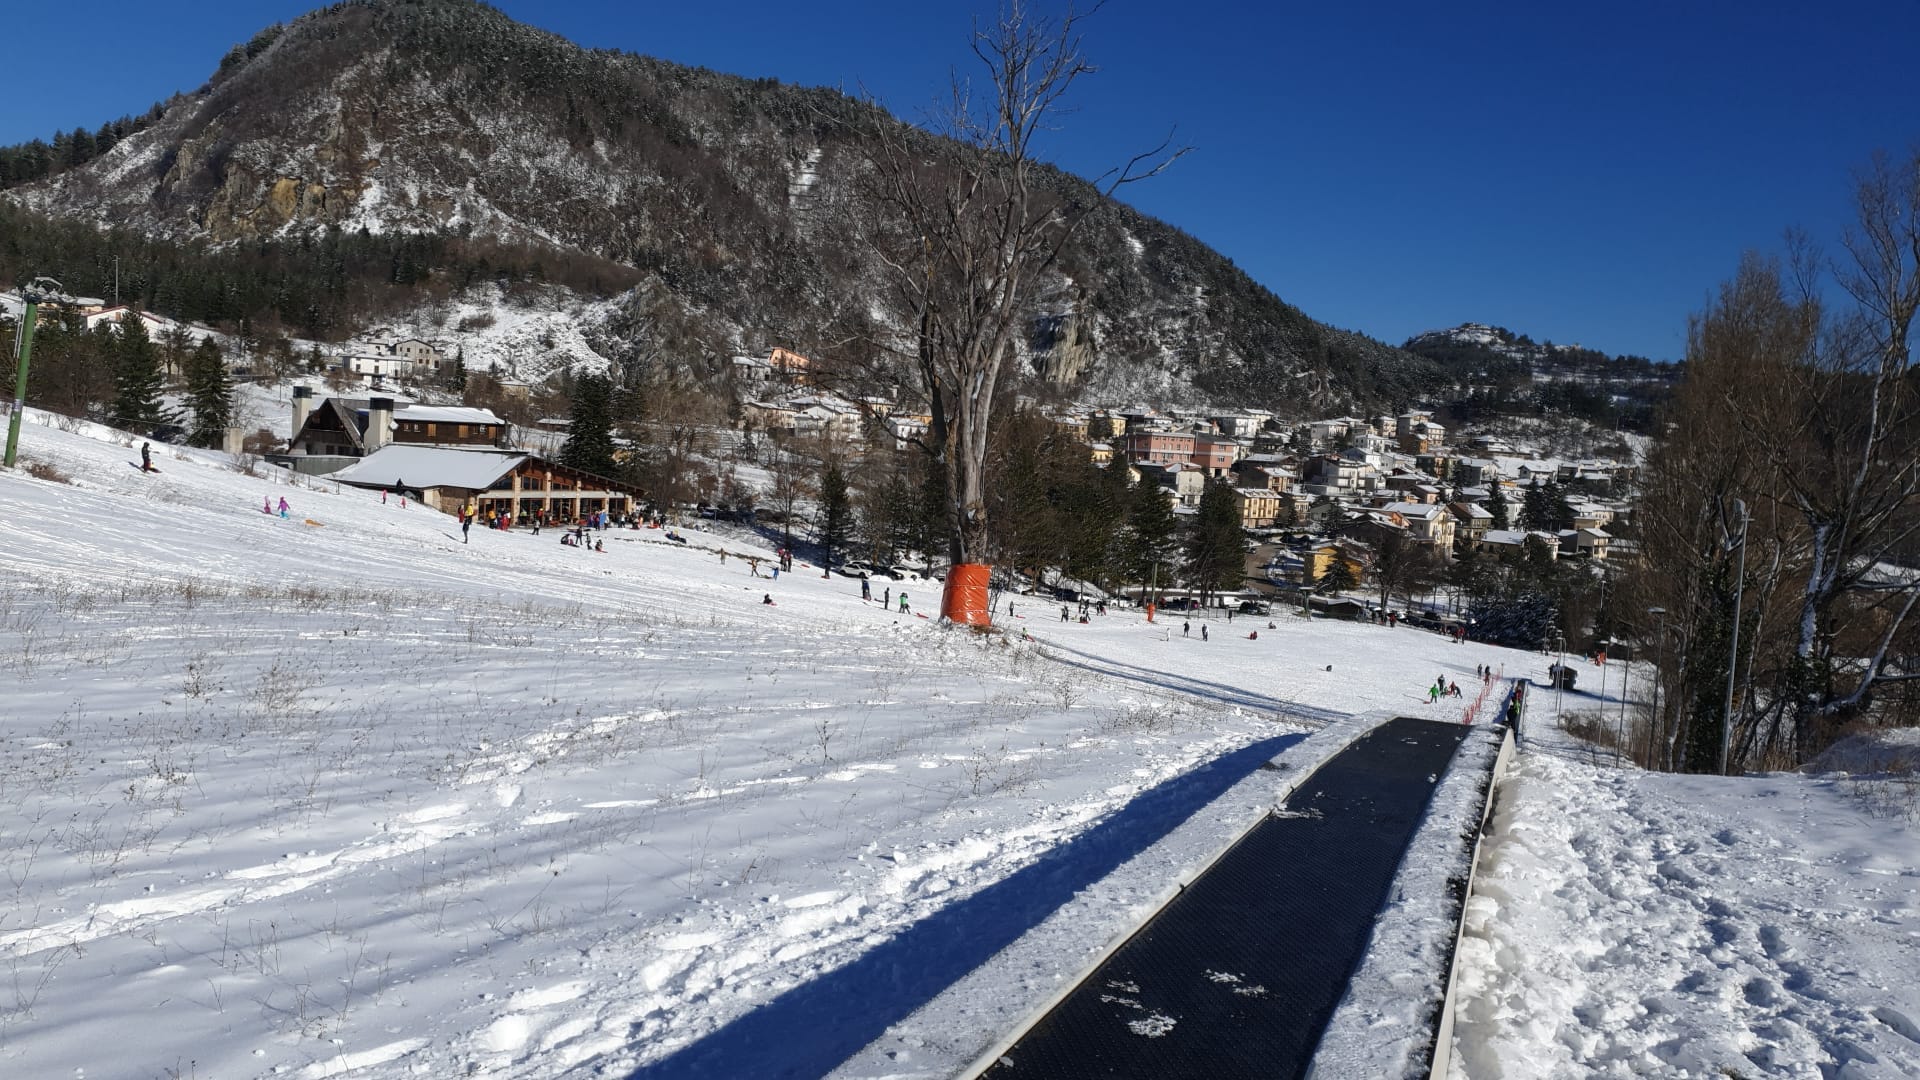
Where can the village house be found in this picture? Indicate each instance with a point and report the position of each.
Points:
(1159, 446)
(1259, 506)
(1515, 541)
(1470, 522)
(1239, 425)
(1430, 523)
(1309, 562)
(329, 436)
(1215, 453)
(791, 366)
(408, 358)
(1346, 473)
(1263, 471)
(1185, 481)
(1587, 515)
(1474, 472)
(1104, 425)
(156, 325)
(1332, 434)
(1591, 543)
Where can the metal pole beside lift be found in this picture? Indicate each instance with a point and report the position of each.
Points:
(39, 291)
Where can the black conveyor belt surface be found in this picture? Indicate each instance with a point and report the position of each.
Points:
(1238, 976)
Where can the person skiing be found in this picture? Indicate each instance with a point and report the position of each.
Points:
(146, 457)
(1063, 614)
(1433, 695)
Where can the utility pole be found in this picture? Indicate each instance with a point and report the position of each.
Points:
(39, 291)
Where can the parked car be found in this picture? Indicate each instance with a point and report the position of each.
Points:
(1255, 607)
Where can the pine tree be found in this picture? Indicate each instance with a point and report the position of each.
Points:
(1150, 528)
(1497, 505)
(136, 377)
(1216, 553)
(1339, 577)
(589, 444)
(1546, 508)
(836, 514)
(209, 394)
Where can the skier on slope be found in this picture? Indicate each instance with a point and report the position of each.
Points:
(146, 457)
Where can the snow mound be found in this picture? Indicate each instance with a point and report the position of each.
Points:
(1894, 750)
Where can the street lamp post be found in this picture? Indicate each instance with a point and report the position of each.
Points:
(1733, 655)
(1659, 660)
(1560, 682)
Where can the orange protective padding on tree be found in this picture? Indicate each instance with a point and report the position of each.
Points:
(964, 600)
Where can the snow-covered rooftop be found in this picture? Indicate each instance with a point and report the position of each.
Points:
(400, 464)
(446, 414)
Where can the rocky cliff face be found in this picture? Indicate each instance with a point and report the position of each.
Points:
(733, 197)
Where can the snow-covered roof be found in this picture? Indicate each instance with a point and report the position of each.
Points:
(1413, 509)
(429, 467)
(446, 414)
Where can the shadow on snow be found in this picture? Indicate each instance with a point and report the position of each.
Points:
(1184, 684)
(810, 1029)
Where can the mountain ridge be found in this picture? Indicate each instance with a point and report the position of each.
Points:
(731, 198)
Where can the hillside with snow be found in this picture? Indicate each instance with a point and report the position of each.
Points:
(336, 794)
(740, 209)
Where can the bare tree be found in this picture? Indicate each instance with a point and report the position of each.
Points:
(968, 227)
(1807, 410)
(1857, 469)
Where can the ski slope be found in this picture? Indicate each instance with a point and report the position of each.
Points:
(338, 795)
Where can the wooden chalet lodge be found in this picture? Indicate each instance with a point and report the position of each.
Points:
(451, 458)
(491, 482)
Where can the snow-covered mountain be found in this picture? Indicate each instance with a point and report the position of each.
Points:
(736, 201)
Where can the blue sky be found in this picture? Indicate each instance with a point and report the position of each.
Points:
(1581, 173)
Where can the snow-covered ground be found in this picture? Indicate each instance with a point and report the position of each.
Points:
(1627, 924)
(338, 795)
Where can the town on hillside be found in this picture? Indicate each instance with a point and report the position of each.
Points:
(1384, 517)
